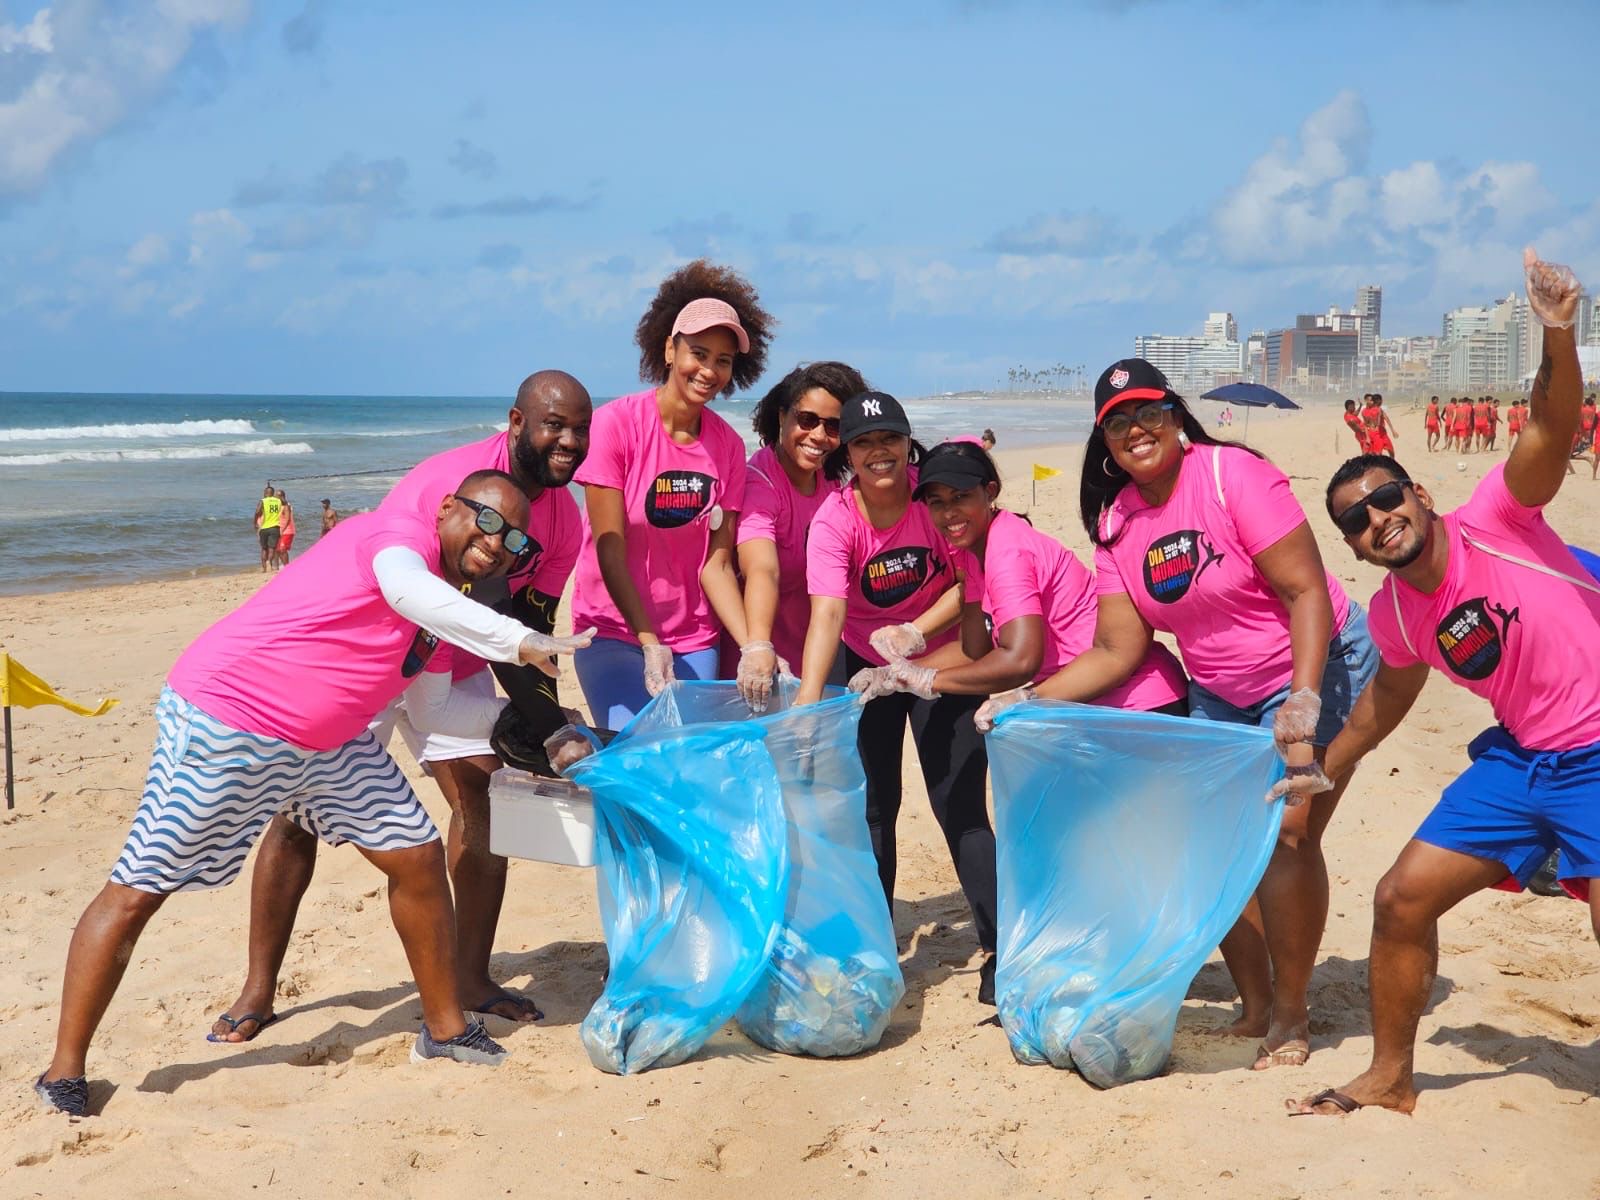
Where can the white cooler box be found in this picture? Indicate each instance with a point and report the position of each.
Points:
(549, 820)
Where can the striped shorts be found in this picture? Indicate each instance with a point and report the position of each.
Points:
(212, 789)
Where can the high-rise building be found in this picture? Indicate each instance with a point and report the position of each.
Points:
(1221, 327)
(1459, 322)
(1369, 307)
(1196, 363)
(1311, 358)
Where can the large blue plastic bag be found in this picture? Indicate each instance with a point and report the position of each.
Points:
(833, 979)
(692, 857)
(1127, 844)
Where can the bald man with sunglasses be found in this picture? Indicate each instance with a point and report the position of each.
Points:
(1490, 595)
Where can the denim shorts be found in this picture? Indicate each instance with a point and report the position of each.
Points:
(1352, 662)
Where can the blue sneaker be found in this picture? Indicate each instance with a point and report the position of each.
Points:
(70, 1095)
(475, 1046)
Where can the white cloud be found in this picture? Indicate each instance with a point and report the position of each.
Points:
(1415, 196)
(84, 67)
(214, 236)
(149, 251)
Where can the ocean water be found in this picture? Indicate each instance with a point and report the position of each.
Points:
(104, 488)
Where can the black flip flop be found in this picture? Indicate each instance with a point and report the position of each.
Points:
(526, 1004)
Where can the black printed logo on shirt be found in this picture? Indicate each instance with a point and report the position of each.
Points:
(418, 653)
(1174, 563)
(1472, 637)
(892, 576)
(677, 498)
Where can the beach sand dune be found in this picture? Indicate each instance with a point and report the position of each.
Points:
(326, 1102)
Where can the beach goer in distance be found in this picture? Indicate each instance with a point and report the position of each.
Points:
(1352, 420)
(1380, 429)
(797, 423)
(546, 436)
(330, 515)
(1461, 427)
(1205, 540)
(1480, 425)
(986, 440)
(1430, 422)
(1516, 418)
(285, 530)
(1491, 596)
(880, 575)
(663, 487)
(269, 512)
(268, 710)
(1039, 598)
(1589, 431)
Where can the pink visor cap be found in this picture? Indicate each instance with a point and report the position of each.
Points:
(707, 313)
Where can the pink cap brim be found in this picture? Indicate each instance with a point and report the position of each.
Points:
(709, 313)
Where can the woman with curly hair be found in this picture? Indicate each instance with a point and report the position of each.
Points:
(798, 424)
(663, 486)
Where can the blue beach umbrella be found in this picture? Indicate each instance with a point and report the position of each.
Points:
(1248, 396)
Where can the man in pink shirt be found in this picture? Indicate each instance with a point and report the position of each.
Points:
(267, 711)
(546, 439)
(1490, 595)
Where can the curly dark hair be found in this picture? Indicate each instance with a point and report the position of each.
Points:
(838, 379)
(697, 281)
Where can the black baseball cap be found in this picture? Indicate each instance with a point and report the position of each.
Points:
(956, 465)
(870, 412)
(1128, 379)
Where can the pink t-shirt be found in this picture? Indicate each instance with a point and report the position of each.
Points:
(775, 512)
(1510, 633)
(1027, 573)
(671, 494)
(312, 657)
(554, 525)
(1188, 567)
(885, 576)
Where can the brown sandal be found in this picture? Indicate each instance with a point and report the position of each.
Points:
(1345, 1104)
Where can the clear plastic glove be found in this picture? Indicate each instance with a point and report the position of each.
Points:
(567, 745)
(757, 661)
(1296, 719)
(872, 682)
(916, 680)
(538, 649)
(1553, 291)
(1299, 784)
(657, 668)
(785, 671)
(898, 641)
(995, 705)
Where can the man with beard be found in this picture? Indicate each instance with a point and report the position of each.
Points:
(547, 437)
(1490, 595)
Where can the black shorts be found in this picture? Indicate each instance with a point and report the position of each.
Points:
(269, 537)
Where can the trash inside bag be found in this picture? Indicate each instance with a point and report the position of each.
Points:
(692, 857)
(831, 979)
(1127, 844)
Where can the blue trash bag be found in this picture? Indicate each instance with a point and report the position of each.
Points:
(1127, 844)
(692, 856)
(832, 982)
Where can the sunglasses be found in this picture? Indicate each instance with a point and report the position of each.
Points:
(491, 522)
(1386, 498)
(1148, 417)
(810, 420)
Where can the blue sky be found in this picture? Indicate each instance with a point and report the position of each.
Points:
(215, 195)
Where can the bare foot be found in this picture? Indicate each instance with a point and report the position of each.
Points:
(498, 1002)
(1364, 1091)
(241, 1023)
(1247, 1026)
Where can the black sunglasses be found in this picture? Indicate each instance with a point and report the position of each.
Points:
(1149, 417)
(491, 522)
(1386, 497)
(810, 420)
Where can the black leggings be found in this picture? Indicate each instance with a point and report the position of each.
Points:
(954, 766)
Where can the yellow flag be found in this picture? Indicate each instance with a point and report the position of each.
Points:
(22, 687)
(1044, 472)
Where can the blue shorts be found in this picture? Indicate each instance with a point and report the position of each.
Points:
(1352, 662)
(1515, 807)
(611, 674)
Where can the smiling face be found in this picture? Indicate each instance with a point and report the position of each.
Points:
(1146, 454)
(1395, 539)
(699, 365)
(550, 437)
(806, 448)
(879, 460)
(961, 514)
(466, 553)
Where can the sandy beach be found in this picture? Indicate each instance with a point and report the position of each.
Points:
(326, 1102)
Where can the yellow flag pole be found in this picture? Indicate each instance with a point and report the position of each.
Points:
(11, 784)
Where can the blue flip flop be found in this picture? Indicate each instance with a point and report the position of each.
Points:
(233, 1024)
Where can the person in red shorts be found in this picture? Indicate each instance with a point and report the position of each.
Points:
(1353, 419)
(1461, 427)
(1589, 432)
(1480, 423)
(1494, 421)
(1380, 430)
(1430, 422)
(1515, 420)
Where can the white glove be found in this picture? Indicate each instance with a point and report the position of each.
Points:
(566, 746)
(873, 682)
(1300, 784)
(537, 649)
(657, 668)
(1553, 291)
(995, 705)
(1296, 719)
(898, 641)
(757, 661)
(916, 680)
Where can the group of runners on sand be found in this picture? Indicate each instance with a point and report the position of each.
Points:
(691, 560)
